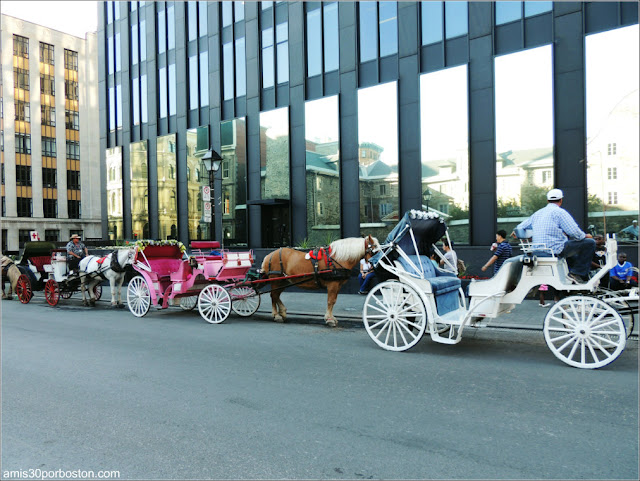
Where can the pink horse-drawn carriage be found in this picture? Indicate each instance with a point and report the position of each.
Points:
(207, 279)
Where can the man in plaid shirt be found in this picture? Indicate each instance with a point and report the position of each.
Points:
(554, 227)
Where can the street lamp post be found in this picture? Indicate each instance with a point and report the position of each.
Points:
(426, 197)
(211, 160)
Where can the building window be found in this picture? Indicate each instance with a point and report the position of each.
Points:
(547, 176)
(282, 52)
(48, 115)
(611, 149)
(73, 150)
(320, 208)
(612, 173)
(388, 24)
(225, 169)
(49, 147)
(51, 235)
(47, 84)
(20, 46)
(268, 57)
(432, 26)
(143, 40)
(73, 208)
(162, 92)
(23, 111)
(383, 189)
(23, 175)
(23, 143)
(20, 78)
(455, 19)
(47, 53)
(226, 210)
(322, 29)
(70, 90)
(204, 78)
(162, 32)
(50, 208)
(49, 178)
(24, 206)
(331, 37)
(72, 120)
(613, 198)
(24, 236)
(172, 89)
(314, 42)
(368, 31)
(73, 180)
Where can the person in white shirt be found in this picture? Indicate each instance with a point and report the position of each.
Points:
(366, 276)
(451, 256)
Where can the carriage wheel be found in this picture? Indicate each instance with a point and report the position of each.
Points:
(214, 304)
(138, 296)
(23, 289)
(584, 332)
(52, 292)
(188, 303)
(97, 291)
(394, 316)
(66, 293)
(623, 308)
(246, 300)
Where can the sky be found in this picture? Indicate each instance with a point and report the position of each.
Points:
(75, 18)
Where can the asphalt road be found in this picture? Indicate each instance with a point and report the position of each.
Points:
(171, 397)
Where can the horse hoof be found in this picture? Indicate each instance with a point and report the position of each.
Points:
(331, 322)
(278, 319)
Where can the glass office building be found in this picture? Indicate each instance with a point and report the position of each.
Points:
(333, 118)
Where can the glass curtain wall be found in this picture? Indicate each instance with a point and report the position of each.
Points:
(114, 193)
(445, 149)
(524, 133)
(197, 178)
(612, 131)
(167, 187)
(234, 182)
(322, 137)
(378, 158)
(139, 189)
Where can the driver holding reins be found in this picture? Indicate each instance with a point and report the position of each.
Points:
(76, 250)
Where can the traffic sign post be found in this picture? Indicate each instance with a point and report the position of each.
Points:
(206, 193)
(207, 211)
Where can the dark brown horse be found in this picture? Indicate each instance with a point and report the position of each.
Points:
(344, 254)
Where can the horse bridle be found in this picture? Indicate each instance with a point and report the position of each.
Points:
(368, 247)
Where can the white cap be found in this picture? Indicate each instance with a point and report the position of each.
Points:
(555, 194)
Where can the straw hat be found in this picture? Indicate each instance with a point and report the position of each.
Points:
(75, 236)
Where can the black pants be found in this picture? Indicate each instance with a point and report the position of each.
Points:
(72, 263)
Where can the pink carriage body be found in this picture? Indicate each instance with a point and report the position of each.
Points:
(169, 275)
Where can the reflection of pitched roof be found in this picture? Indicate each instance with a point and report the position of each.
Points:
(316, 161)
(377, 169)
(526, 157)
(428, 171)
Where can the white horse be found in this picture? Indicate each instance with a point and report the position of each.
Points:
(94, 269)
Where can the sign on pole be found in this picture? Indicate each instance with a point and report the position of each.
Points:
(34, 235)
(206, 193)
(207, 211)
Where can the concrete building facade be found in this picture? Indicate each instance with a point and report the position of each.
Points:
(51, 177)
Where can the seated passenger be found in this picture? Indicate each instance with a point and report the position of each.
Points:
(620, 277)
(554, 227)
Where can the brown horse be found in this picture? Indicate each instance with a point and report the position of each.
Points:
(344, 254)
(12, 276)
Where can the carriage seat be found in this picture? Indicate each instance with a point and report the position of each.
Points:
(40, 261)
(444, 285)
(183, 272)
(205, 250)
(505, 280)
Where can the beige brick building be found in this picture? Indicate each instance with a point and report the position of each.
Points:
(50, 160)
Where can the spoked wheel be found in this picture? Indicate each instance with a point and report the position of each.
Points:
(214, 304)
(245, 300)
(138, 296)
(584, 332)
(97, 291)
(623, 308)
(188, 303)
(394, 316)
(66, 293)
(52, 292)
(23, 289)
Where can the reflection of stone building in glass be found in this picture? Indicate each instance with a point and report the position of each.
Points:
(612, 155)
(114, 193)
(139, 190)
(523, 178)
(274, 169)
(197, 178)
(323, 191)
(378, 190)
(234, 182)
(167, 187)
(448, 181)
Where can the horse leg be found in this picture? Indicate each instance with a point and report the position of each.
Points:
(92, 294)
(120, 281)
(112, 288)
(276, 303)
(85, 302)
(332, 295)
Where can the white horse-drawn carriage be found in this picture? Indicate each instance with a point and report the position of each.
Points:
(417, 297)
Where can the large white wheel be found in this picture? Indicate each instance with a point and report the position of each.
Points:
(245, 300)
(214, 304)
(584, 332)
(626, 310)
(138, 296)
(394, 316)
(188, 303)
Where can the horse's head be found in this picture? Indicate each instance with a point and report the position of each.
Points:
(126, 256)
(371, 246)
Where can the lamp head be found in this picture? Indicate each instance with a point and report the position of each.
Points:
(212, 160)
(426, 195)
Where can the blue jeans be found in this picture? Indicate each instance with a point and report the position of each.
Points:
(365, 282)
(579, 255)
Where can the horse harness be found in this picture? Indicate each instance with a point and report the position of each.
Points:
(114, 266)
(315, 255)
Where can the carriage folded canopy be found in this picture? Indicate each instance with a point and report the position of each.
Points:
(427, 228)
